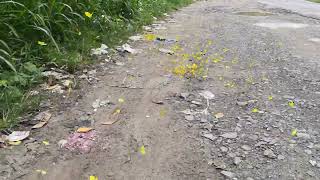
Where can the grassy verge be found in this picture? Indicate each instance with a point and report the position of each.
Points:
(316, 1)
(37, 34)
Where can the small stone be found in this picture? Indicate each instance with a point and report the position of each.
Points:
(246, 148)
(281, 157)
(313, 163)
(232, 155)
(237, 160)
(228, 174)
(224, 149)
(303, 135)
(308, 151)
(242, 103)
(189, 117)
(316, 146)
(311, 173)
(249, 178)
(219, 164)
(230, 135)
(209, 136)
(184, 95)
(62, 142)
(269, 153)
(207, 94)
(196, 103)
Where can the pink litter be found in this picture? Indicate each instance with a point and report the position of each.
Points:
(81, 142)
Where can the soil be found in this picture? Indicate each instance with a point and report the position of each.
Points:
(263, 69)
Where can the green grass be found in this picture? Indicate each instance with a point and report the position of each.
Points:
(316, 1)
(36, 34)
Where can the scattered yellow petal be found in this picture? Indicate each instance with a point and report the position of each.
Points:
(294, 132)
(163, 112)
(291, 104)
(46, 143)
(219, 115)
(142, 150)
(84, 129)
(150, 37)
(88, 14)
(270, 98)
(120, 100)
(93, 178)
(255, 110)
(42, 172)
(41, 43)
(14, 143)
(116, 111)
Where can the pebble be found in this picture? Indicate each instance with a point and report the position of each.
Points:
(219, 164)
(224, 149)
(303, 135)
(311, 173)
(269, 153)
(230, 135)
(189, 117)
(62, 142)
(184, 95)
(313, 163)
(228, 174)
(246, 148)
(237, 160)
(308, 151)
(196, 103)
(209, 136)
(281, 157)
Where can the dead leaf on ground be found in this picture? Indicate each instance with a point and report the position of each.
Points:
(44, 118)
(18, 135)
(84, 129)
(113, 117)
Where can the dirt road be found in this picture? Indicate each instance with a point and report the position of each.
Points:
(262, 65)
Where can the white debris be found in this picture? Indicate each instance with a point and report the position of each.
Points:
(100, 51)
(207, 94)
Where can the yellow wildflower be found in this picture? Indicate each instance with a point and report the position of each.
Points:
(41, 43)
(88, 14)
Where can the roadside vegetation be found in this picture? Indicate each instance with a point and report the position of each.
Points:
(37, 34)
(316, 1)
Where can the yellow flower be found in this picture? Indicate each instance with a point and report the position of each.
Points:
(88, 14)
(41, 43)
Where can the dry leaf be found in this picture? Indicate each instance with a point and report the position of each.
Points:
(39, 125)
(84, 129)
(219, 115)
(44, 118)
(113, 117)
(110, 122)
(18, 135)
